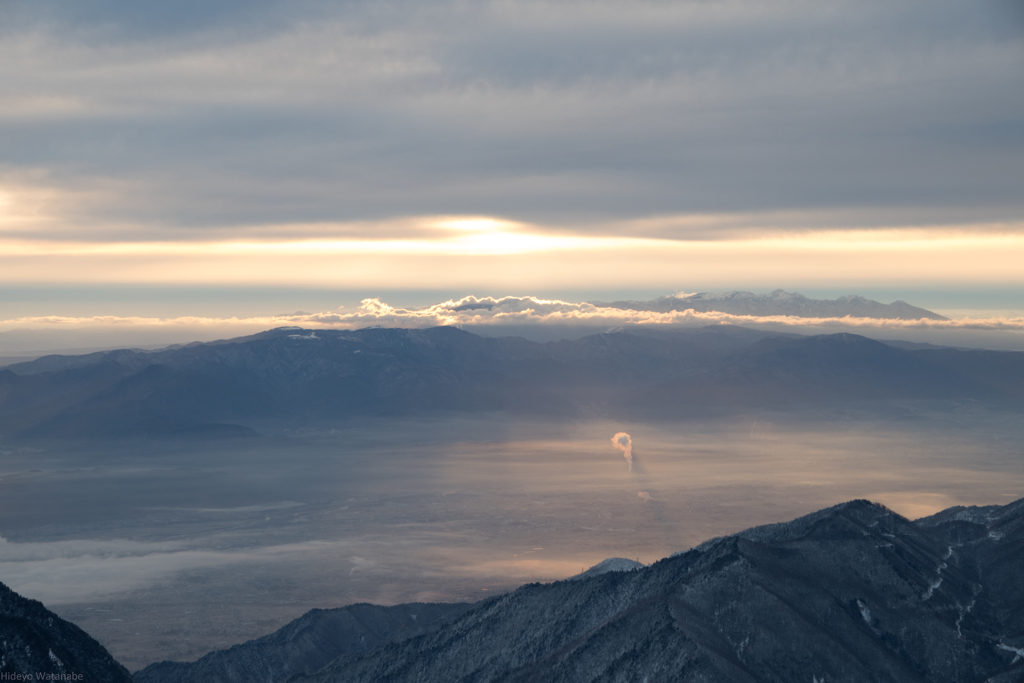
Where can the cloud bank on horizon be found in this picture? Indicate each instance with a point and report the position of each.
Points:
(515, 310)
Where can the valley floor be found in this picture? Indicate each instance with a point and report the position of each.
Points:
(167, 551)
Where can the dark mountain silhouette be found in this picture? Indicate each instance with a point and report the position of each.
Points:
(839, 368)
(850, 593)
(779, 302)
(36, 642)
(230, 388)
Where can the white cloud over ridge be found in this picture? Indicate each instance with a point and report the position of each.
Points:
(514, 310)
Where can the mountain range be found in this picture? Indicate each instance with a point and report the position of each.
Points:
(292, 375)
(853, 593)
(850, 593)
(779, 302)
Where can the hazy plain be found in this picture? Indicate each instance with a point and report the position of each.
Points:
(169, 550)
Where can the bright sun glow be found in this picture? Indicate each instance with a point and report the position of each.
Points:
(464, 251)
(476, 224)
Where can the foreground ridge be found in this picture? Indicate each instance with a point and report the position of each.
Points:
(850, 593)
(39, 645)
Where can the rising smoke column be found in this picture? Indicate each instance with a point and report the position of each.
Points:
(624, 444)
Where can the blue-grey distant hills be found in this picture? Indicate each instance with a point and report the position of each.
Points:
(291, 376)
(779, 302)
(847, 594)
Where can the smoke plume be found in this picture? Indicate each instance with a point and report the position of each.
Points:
(624, 444)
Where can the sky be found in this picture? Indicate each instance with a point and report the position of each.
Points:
(221, 159)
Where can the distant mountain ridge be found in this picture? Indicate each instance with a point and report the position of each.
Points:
(295, 376)
(850, 593)
(779, 302)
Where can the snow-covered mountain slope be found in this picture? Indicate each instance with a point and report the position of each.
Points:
(779, 302)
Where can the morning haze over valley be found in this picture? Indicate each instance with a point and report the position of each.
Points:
(517, 341)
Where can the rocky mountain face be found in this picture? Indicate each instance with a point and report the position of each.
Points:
(307, 644)
(851, 593)
(229, 388)
(779, 302)
(319, 637)
(36, 643)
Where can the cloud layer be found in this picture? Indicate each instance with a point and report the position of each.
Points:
(483, 253)
(88, 569)
(125, 121)
(513, 310)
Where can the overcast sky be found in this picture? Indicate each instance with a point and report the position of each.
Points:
(473, 145)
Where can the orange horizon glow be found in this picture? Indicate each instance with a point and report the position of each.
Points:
(481, 251)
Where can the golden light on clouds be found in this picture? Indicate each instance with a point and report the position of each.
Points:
(481, 251)
(45, 239)
(22, 209)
